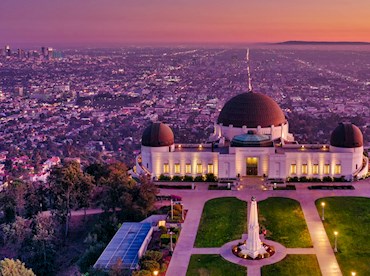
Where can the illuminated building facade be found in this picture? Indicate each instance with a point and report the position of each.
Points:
(251, 138)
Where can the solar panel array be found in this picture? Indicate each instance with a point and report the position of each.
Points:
(125, 245)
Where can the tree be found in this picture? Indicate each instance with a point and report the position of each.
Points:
(84, 189)
(98, 171)
(39, 251)
(35, 199)
(16, 233)
(12, 200)
(117, 187)
(10, 267)
(145, 195)
(64, 181)
(90, 256)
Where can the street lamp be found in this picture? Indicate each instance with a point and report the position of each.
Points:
(335, 241)
(171, 209)
(155, 272)
(323, 211)
(171, 243)
(353, 273)
(182, 212)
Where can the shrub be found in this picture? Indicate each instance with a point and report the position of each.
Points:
(210, 177)
(293, 179)
(188, 178)
(303, 179)
(327, 179)
(150, 265)
(199, 178)
(315, 179)
(177, 178)
(142, 273)
(10, 267)
(163, 267)
(340, 179)
(163, 229)
(163, 177)
(177, 207)
(165, 238)
(175, 230)
(153, 255)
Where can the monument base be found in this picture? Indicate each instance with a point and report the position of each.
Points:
(252, 253)
(265, 251)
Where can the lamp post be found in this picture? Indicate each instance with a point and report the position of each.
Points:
(171, 243)
(335, 241)
(171, 209)
(155, 272)
(323, 211)
(353, 273)
(182, 212)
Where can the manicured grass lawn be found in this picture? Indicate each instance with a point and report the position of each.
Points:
(350, 216)
(223, 220)
(283, 218)
(303, 265)
(213, 265)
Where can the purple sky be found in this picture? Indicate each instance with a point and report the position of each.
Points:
(109, 22)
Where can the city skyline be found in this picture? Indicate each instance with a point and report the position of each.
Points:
(113, 22)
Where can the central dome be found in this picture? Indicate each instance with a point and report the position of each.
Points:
(251, 110)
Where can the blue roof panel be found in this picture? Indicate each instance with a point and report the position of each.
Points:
(124, 245)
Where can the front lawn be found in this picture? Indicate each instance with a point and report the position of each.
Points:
(213, 265)
(303, 265)
(350, 217)
(285, 223)
(223, 220)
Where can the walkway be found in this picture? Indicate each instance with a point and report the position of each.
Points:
(194, 201)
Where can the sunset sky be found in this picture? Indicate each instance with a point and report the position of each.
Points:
(108, 22)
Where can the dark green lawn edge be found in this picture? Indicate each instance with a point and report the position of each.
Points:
(302, 265)
(285, 222)
(223, 220)
(213, 265)
(350, 217)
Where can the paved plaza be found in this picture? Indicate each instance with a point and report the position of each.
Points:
(194, 201)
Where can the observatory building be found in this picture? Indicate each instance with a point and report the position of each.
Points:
(251, 137)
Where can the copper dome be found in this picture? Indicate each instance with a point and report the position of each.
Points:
(346, 135)
(252, 110)
(157, 135)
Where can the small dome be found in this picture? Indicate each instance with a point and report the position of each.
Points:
(157, 135)
(346, 135)
(252, 110)
(251, 139)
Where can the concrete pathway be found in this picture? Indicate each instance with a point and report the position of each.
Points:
(194, 201)
(324, 252)
(211, 250)
(254, 270)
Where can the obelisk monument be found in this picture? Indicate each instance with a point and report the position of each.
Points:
(253, 246)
